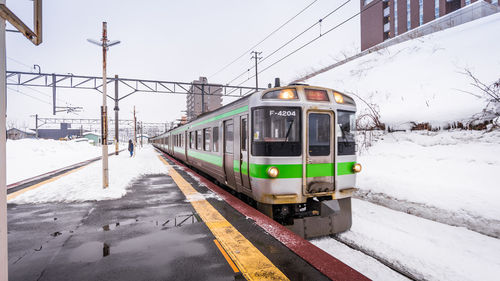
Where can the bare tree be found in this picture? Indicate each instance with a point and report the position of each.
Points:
(369, 119)
(491, 94)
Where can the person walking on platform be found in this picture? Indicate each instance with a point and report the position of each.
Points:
(131, 147)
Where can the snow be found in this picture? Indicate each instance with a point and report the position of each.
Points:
(426, 249)
(86, 184)
(422, 80)
(27, 158)
(451, 170)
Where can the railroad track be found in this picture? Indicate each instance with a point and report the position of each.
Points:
(14, 187)
(400, 269)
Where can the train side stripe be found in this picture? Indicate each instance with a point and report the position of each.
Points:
(287, 171)
(221, 116)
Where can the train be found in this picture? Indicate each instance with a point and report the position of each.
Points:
(289, 150)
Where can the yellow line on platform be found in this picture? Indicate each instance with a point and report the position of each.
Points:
(19, 192)
(228, 259)
(252, 263)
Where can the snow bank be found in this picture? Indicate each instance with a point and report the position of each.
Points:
(422, 80)
(27, 158)
(429, 250)
(86, 183)
(452, 170)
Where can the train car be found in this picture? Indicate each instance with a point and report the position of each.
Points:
(290, 149)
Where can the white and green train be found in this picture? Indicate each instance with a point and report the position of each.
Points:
(290, 150)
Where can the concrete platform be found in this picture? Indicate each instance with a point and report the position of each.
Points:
(152, 233)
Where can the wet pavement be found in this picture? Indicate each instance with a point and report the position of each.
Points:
(152, 233)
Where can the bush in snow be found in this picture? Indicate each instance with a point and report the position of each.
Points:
(490, 93)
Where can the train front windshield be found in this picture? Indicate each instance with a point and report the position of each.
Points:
(276, 131)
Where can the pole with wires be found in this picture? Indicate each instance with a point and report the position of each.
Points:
(256, 56)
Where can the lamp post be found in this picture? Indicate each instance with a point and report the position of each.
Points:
(105, 44)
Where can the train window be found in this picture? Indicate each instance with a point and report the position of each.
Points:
(182, 140)
(216, 138)
(199, 140)
(244, 134)
(319, 134)
(206, 136)
(191, 140)
(228, 139)
(345, 136)
(284, 94)
(276, 131)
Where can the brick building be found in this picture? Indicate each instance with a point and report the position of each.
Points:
(385, 19)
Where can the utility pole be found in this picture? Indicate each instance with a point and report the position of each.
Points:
(105, 44)
(135, 131)
(256, 57)
(116, 115)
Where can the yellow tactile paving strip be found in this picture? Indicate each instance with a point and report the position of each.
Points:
(251, 262)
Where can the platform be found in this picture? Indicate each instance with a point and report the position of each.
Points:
(167, 227)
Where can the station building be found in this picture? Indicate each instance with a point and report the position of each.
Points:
(385, 19)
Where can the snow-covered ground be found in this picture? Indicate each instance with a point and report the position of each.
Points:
(27, 158)
(427, 250)
(456, 171)
(86, 183)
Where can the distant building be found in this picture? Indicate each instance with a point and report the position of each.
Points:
(212, 98)
(386, 19)
(93, 138)
(16, 134)
(63, 132)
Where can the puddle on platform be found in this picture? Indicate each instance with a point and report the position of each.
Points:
(113, 226)
(177, 221)
(90, 252)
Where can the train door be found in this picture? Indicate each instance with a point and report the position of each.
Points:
(229, 152)
(320, 168)
(244, 170)
(186, 143)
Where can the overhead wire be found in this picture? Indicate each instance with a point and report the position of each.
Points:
(291, 40)
(25, 94)
(269, 35)
(311, 41)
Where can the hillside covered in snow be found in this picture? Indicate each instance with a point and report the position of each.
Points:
(424, 80)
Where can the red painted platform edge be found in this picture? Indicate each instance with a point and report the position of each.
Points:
(83, 163)
(316, 257)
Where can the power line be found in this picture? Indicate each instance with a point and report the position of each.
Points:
(293, 39)
(311, 41)
(25, 94)
(269, 35)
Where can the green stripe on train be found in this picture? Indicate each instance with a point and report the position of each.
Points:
(286, 170)
(224, 115)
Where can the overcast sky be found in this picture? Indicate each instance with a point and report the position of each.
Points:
(170, 41)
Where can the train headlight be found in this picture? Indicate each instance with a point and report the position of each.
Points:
(338, 97)
(273, 172)
(356, 168)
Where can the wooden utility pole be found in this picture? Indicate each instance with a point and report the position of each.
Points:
(256, 57)
(116, 115)
(105, 44)
(135, 131)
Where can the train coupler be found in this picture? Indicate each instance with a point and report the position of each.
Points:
(335, 217)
